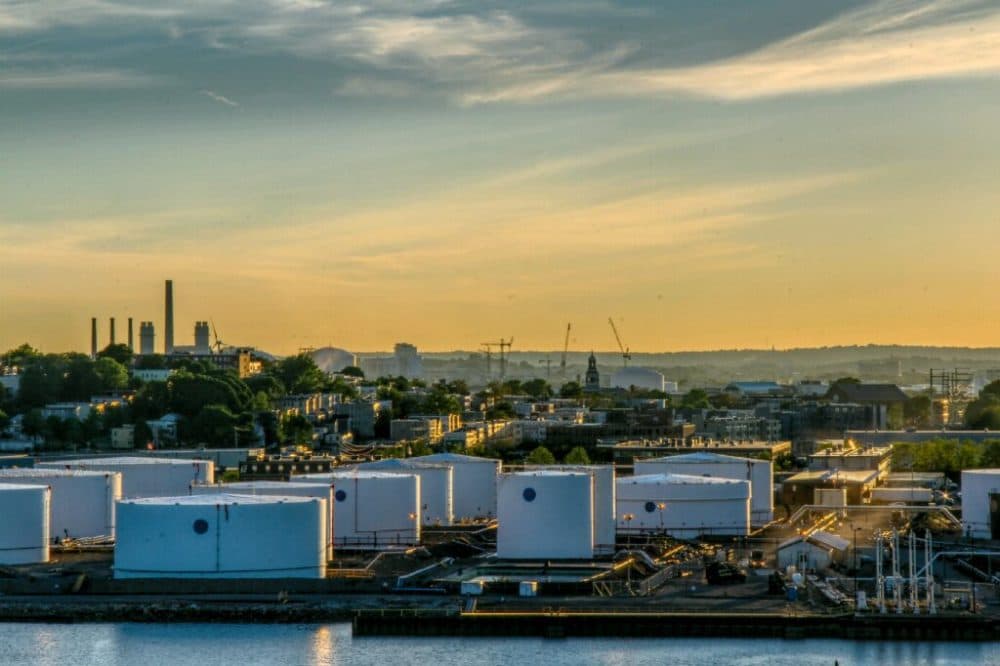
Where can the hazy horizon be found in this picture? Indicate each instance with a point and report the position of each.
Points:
(712, 176)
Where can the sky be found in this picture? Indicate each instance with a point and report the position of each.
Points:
(709, 174)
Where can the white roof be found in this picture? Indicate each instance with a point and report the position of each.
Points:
(454, 458)
(982, 472)
(396, 463)
(701, 457)
(22, 486)
(352, 474)
(228, 499)
(126, 460)
(237, 486)
(547, 472)
(37, 472)
(676, 479)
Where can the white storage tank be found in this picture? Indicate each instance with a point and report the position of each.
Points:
(146, 477)
(605, 525)
(83, 502)
(436, 486)
(474, 483)
(221, 536)
(322, 489)
(685, 507)
(545, 515)
(24, 527)
(372, 510)
(981, 503)
(759, 473)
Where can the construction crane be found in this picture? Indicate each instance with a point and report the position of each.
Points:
(218, 345)
(562, 363)
(504, 346)
(625, 353)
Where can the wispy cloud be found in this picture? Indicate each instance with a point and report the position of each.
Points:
(62, 78)
(221, 99)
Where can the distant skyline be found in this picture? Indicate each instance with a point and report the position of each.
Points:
(712, 175)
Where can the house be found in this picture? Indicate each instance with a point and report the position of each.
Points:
(814, 552)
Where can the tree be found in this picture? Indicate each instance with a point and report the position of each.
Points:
(214, 425)
(571, 390)
(990, 456)
(41, 381)
(296, 429)
(266, 383)
(117, 352)
(695, 399)
(33, 424)
(151, 401)
(150, 362)
(917, 411)
(81, 379)
(537, 388)
(4, 420)
(353, 371)
(113, 376)
(299, 374)
(540, 456)
(577, 456)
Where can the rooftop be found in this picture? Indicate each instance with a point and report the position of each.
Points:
(677, 479)
(223, 499)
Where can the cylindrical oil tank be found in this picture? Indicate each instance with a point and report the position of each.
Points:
(146, 477)
(760, 474)
(436, 487)
(24, 523)
(83, 502)
(279, 488)
(221, 536)
(372, 510)
(474, 484)
(684, 506)
(605, 525)
(981, 503)
(545, 514)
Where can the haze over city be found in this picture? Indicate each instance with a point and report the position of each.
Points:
(712, 176)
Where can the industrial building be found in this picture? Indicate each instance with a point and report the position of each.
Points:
(82, 503)
(545, 515)
(323, 490)
(221, 536)
(436, 486)
(604, 507)
(759, 473)
(372, 510)
(813, 552)
(683, 506)
(801, 488)
(640, 378)
(24, 530)
(981, 503)
(474, 484)
(145, 477)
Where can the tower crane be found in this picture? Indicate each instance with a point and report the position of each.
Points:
(562, 363)
(625, 353)
(504, 346)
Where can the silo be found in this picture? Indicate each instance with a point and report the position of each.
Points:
(474, 483)
(436, 486)
(372, 510)
(604, 509)
(981, 503)
(221, 536)
(82, 502)
(682, 506)
(24, 529)
(323, 490)
(545, 515)
(758, 472)
(145, 477)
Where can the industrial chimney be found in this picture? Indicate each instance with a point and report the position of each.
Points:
(131, 340)
(93, 337)
(168, 324)
(112, 338)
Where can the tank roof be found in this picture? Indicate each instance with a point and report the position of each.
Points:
(701, 457)
(21, 486)
(227, 499)
(251, 485)
(408, 463)
(677, 479)
(35, 472)
(127, 460)
(547, 472)
(454, 457)
(353, 474)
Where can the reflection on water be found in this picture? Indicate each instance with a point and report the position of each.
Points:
(320, 645)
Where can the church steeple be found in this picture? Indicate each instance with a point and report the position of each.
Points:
(592, 380)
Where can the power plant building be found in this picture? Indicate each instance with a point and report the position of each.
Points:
(24, 530)
(147, 338)
(545, 515)
(222, 536)
(82, 502)
(202, 344)
(685, 507)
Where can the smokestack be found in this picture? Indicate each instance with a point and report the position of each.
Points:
(93, 337)
(168, 324)
(112, 338)
(131, 341)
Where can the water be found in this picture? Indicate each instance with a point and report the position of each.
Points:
(306, 645)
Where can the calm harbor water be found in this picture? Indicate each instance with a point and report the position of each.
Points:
(305, 645)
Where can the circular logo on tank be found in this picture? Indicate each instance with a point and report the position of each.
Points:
(650, 507)
(340, 495)
(529, 494)
(200, 526)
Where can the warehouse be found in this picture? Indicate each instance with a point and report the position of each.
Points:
(604, 509)
(82, 503)
(685, 507)
(758, 472)
(372, 510)
(981, 503)
(24, 529)
(474, 484)
(323, 490)
(545, 514)
(146, 477)
(221, 536)
(436, 487)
